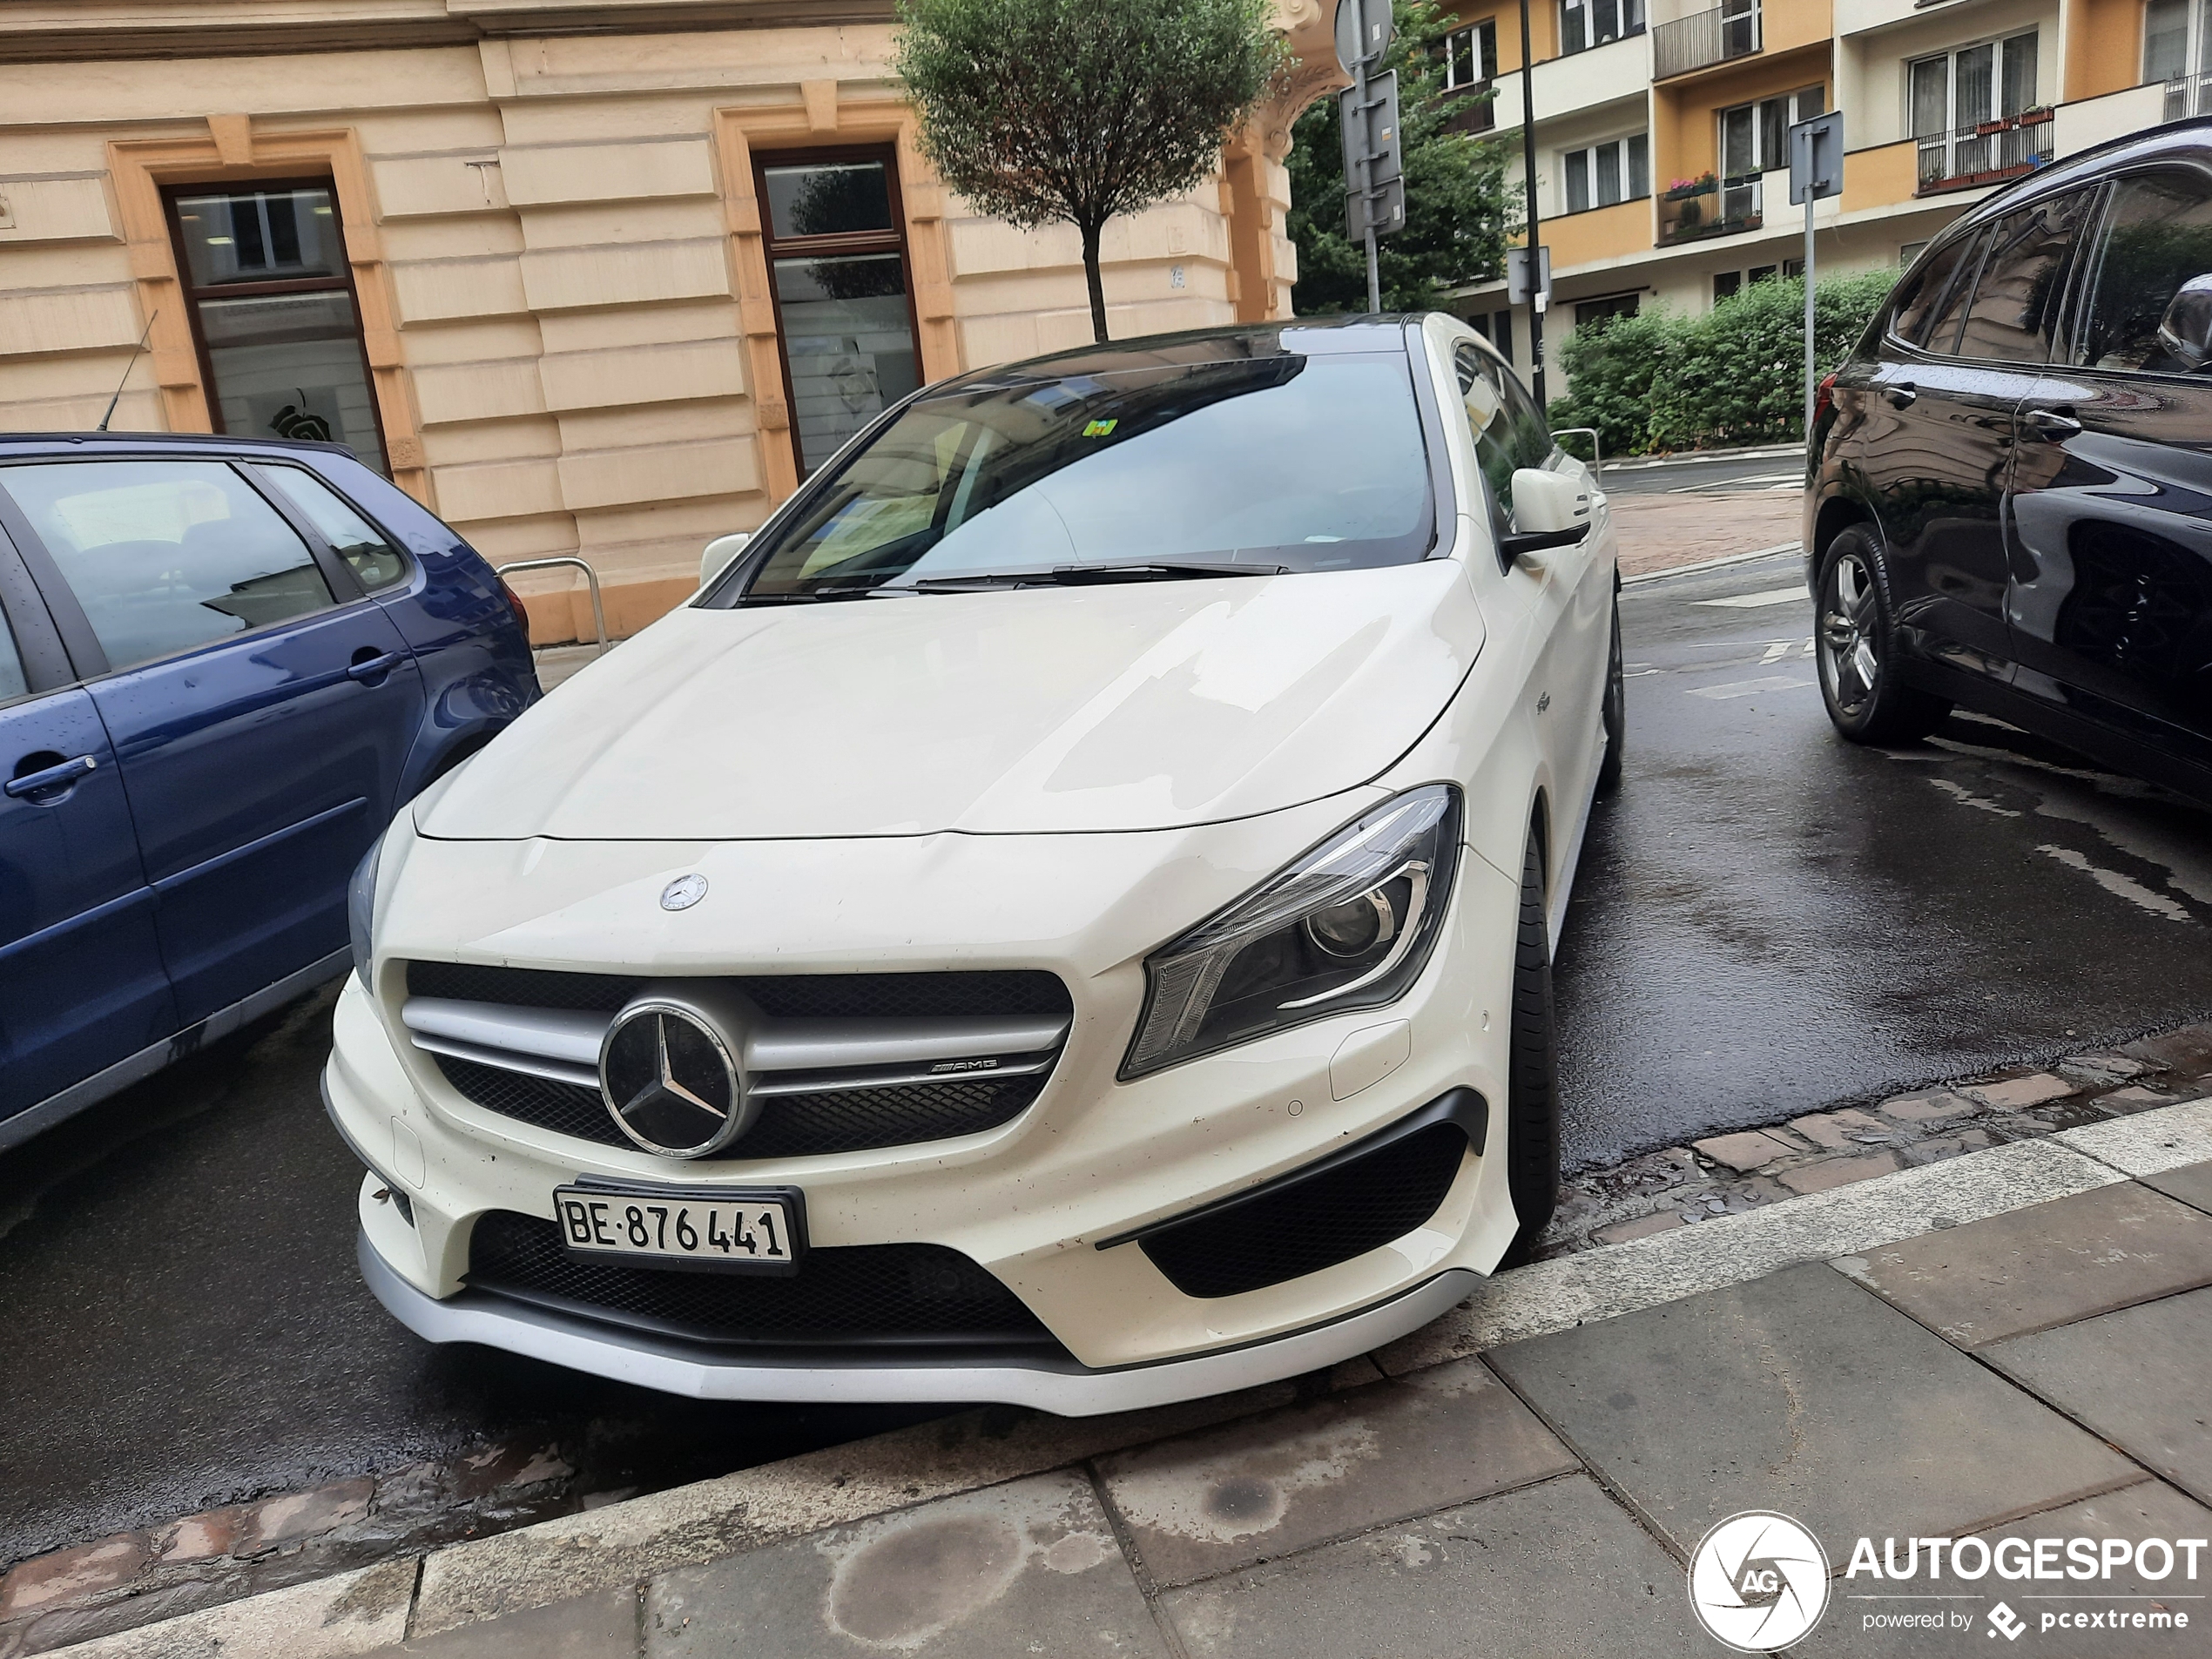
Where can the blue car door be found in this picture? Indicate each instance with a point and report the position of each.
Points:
(262, 708)
(82, 985)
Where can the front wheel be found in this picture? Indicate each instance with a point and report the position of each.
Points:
(1615, 712)
(1532, 1084)
(1855, 641)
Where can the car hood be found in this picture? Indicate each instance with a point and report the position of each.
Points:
(1149, 705)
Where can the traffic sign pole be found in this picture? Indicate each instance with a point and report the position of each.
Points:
(1367, 164)
(1816, 170)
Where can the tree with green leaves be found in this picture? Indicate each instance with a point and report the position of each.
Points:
(1457, 199)
(1075, 111)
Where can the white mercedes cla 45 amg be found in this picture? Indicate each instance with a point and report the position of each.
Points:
(1064, 918)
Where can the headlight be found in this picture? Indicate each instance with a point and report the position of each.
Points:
(1347, 926)
(361, 909)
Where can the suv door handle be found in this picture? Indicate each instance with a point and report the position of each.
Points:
(1901, 396)
(2053, 424)
(374, 668)
(61, 776)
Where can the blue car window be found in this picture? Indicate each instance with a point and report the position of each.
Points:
(12, 683)
(167, 555)
(374, 560)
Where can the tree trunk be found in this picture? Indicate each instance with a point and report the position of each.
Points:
(1097, 285)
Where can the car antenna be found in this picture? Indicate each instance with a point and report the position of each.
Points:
(127, 367)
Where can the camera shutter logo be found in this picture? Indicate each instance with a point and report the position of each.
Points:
(1758, 1582)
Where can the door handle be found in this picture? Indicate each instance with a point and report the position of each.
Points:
(367, 668)
(1902, 395)
(61, 776)
(2056, 425)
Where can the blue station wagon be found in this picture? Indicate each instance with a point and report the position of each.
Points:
(224, 665)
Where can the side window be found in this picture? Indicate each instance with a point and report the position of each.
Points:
(1509, 430)
(1925, 294)
(13, 683)
(1943, 333)
(2014, 315)
(2156, 236)
(167, 555)
(372, 558)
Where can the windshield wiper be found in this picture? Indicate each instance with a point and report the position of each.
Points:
(1076, 576)
(809, 596)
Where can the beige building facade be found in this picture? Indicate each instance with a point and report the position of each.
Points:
(590, 278)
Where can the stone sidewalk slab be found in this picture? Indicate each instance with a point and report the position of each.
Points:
(591, 1626)
(2191, 1183)
(2117, 1373)
(2049, 1265)
(2149, 1143)
(1555, 1571)
(1804, 1393)
(1020, 1570)
(1205, 1504)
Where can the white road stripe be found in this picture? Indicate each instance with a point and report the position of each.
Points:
(1753, 600)
(1745, 688)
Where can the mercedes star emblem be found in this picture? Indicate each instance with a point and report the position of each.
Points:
(670, 1082)
(683, 893)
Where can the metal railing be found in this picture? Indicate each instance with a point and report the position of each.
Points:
(1597, 456)
(591, 575)
(2187, 95)
(1704, 38)
(1711, 208)
(1984, 153)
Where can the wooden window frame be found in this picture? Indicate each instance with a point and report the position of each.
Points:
(891, 240)
(191, 294)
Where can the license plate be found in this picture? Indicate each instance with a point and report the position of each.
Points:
(753, 1231)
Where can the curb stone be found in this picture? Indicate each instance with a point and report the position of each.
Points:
(623, 1543)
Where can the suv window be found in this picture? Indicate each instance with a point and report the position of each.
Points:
(1509, 430)
(372, 558)
(1943, 334)
(2014, 315)
(1924, 293)
(2157, 235)
(167, 555)
(12, 683)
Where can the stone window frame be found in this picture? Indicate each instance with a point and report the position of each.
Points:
(140, 170)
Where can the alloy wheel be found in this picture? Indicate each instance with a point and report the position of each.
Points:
(1848, 625)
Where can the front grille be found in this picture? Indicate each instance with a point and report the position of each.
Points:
(790, 1126)
(847, 1296)
(1304, 1225)
(783, 996)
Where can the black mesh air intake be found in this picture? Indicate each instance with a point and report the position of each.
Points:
(857, 1295)
(1344, 1206)
(783, 996)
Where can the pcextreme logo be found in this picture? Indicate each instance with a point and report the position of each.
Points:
(1758, 1582)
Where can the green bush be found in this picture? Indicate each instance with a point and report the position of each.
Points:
(1660, 380)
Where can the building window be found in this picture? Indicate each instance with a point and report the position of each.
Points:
(1907, 253)
(2177, 49)
(1607, 174)
(1471, 56)
(1954, 96)
(1584, 24)
(1496, 327)
(1755, 138)
(270, 299)
(837, 254)
(1596, 314)
(1727, 284)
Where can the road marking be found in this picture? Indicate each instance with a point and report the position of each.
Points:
(1776, 651)
(1753, 600)
(1725, 559)
(1745, 688)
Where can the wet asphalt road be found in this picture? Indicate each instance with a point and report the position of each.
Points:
(1767, 921)
(1683, 474)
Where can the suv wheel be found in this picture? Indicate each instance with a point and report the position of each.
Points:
(1855, 642)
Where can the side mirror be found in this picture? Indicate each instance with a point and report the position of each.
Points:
(2186, 329)
(1550, 510)
(721, 553)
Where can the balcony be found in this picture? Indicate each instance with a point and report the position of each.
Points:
(1985, 153)
(1704, 38)
(1707, 206)
(2187, 95)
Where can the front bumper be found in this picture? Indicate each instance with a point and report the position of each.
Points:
(1067, 1389)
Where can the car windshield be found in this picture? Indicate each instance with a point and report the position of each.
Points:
(1279, 462)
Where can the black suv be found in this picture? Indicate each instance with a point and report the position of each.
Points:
(2009, 503)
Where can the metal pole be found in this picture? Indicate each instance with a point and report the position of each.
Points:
(1368, 162)
(1535, 243)
(1812, 156)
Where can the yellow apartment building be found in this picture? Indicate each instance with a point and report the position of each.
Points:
(1663, 171)
(600, 278)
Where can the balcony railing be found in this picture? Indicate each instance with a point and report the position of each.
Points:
(1710, 206)
(1987, 152)
(1481, 115)
(1704, 38)
(2187, 95)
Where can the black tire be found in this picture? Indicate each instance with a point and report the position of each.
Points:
(1615, 712)
(1532, 1083)
(1855, 641)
